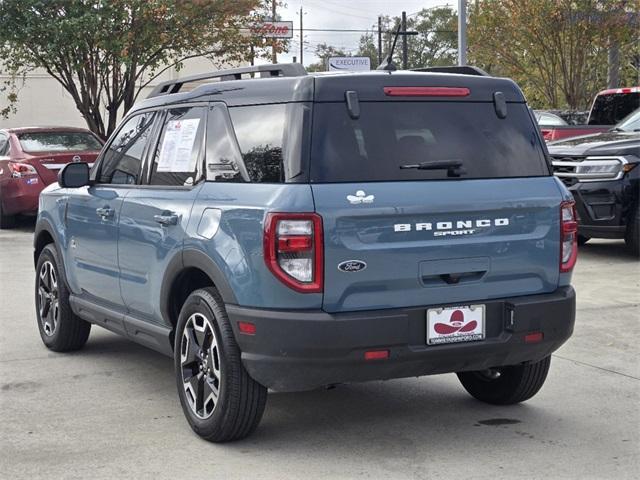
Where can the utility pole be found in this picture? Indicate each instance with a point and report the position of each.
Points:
(379, 40)
(274, 55)
(613, 70)
(404, 40)
(301, 39)
(462, 32)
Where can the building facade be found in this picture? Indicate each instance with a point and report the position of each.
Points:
(42, 101)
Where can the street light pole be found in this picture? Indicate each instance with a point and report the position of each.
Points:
(274, 55)
(301, 39)
(462, 32)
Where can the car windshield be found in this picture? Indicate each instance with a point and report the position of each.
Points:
(631, 123)
(58, 142)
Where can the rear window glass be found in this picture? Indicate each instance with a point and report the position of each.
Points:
(389, 135)
(611, 108)
(58, 142)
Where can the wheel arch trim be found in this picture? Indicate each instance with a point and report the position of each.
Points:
(192, 258)
(42, 226)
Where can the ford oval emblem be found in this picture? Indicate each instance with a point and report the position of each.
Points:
(352, 266)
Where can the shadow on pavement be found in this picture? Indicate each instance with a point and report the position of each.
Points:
(364, 417)
(605, 249)
(25, 224)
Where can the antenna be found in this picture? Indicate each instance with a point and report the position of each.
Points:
(387, 63)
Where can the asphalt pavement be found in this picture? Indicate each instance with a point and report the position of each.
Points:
(111, 410)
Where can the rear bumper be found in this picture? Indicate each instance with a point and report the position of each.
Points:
(302, 350)
(20, 195)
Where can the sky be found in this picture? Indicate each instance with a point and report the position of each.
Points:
(339, 14)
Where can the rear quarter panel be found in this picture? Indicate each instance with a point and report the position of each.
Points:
(237, 246)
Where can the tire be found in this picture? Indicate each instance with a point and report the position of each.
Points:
(60, 329)
(201, 373)
(582, 240)
(506, 385)
(632, 236)
(6, 221)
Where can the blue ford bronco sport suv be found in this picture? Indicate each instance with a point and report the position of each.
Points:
(271, 229)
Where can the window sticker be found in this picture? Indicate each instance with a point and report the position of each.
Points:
(177, 146)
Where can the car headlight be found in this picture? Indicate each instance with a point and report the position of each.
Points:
(602, 168)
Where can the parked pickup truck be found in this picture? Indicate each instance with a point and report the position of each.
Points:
(601, 172)
(294, 231)
(609, 107)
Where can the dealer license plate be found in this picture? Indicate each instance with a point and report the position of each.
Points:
(455, 324)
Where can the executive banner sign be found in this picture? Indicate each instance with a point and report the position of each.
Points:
(350, 63)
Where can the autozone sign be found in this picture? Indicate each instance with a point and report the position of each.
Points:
(273, 29)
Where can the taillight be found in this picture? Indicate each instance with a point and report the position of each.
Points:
(568, 236)
(426, 91)
(21, 169)
(293, 250)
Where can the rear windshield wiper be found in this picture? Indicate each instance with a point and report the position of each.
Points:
(453, 167)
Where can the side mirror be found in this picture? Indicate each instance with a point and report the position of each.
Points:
(74, 175)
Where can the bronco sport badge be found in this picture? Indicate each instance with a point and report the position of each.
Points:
(460, 227)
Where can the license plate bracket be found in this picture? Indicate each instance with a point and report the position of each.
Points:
(456, 324)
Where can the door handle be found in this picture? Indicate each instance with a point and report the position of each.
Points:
(105, 212)
(166, 219)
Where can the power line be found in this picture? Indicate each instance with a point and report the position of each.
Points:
(334, 9)
(355, 30)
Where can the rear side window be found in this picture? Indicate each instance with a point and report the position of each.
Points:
(260, 132)
(389, 135)
(274, 141)
(609, 109)
(58, 142)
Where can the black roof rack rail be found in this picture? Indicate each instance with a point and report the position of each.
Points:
(460, 69)
(267, 70)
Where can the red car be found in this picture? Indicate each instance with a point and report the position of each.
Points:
(30, 159)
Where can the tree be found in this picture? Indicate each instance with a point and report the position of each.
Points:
(437, 41)
(324, 51)
(368, 48)
(103, 52)
(556, 50)
(435, 44)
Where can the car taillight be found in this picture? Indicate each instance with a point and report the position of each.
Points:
(293, 250)
(568, 236)
(20, 169)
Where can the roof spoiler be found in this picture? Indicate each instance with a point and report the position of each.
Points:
(265, 71)
(459, 69)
